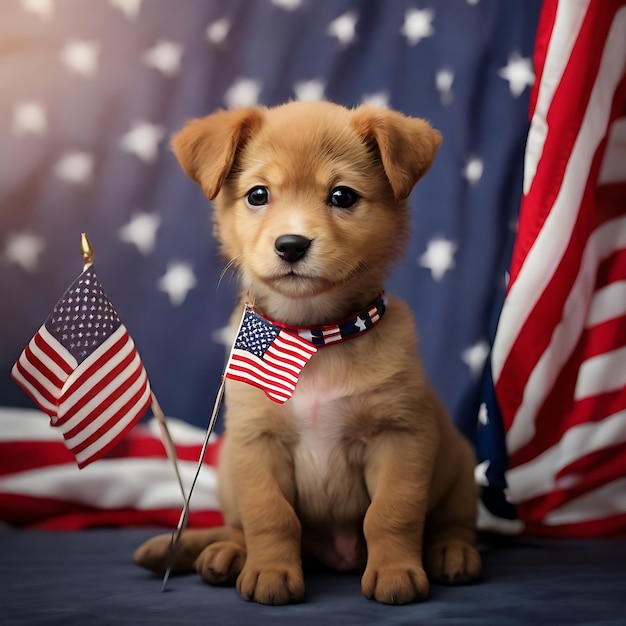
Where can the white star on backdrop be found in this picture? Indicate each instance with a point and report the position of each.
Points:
(143, 140)
(475, 356)
(141, 231)
(309, 90)
(29, 118)
(81, 57)
(443, 81)
(439, 257)
(519, 74)
(165, 56)
(23, 249)
(480, 473)
(75, 167)
(483, 414)
(244, 92)
(473, 170)
(418, 24)
(378, 99)
(288, 5)
(177, 281)
(343, 27)
(130, 8)
(41, 8)
(217, 31)
(224, 336)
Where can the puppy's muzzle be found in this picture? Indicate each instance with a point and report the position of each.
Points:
(292, 248)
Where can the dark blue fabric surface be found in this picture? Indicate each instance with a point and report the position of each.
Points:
(88, 579)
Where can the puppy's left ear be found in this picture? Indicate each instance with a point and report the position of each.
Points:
(407, 145)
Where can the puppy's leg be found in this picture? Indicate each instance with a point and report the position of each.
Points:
(154, 553)
(263, 472)
(450, 553)
(397, 473)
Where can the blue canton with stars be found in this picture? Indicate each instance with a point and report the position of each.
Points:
(84, 317)
(255, 335)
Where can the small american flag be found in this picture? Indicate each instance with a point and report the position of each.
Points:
(83, 370)
(268, 357)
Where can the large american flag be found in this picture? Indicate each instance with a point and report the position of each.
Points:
(83, 370)
(92, 90)
(268, 357)
(559, 356)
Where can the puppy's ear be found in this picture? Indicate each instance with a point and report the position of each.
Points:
(407, 145)
(206, 148)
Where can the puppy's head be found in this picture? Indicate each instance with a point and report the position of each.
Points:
(310, 197)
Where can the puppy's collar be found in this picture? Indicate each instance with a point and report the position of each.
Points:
(347, 328)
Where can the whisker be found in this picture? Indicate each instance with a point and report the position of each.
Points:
(226, 268)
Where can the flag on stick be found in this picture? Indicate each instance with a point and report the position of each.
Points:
(83, 370)
(268, 357)
(265, 356)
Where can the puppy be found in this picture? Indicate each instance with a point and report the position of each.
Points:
(361, 469)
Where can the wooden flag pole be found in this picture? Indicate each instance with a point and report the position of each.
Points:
(166, 438)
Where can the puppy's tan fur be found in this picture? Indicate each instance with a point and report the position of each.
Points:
(361, 468)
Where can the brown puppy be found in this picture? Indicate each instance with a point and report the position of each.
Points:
(361, 468)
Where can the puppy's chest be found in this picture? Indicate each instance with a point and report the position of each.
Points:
(320, 420)
(328, 471)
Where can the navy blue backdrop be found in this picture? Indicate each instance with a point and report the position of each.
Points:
(91, 91)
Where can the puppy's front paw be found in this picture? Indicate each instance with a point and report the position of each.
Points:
(221, 562)
(271, 585)
(453, 563)
(153, 555)
(395, 585)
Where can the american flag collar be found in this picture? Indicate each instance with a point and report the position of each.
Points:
(347, 328)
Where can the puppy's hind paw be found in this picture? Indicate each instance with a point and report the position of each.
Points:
(453, 563)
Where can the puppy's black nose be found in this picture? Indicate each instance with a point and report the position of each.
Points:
(292, 248)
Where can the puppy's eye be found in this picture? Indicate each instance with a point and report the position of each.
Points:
(257, 197)
(343, 197)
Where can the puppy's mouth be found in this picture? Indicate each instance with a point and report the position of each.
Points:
(292, 273)
(298, 281)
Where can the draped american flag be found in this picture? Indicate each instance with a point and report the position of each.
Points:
(268, 357)
(559, 356)
(83, 370)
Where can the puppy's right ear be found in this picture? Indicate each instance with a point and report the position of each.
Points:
(206, 148)
(407, 145)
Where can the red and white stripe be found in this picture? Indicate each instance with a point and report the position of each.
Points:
(374, 314)
(132, 485)
(331, 334)
(42, 369)
(559, 357)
